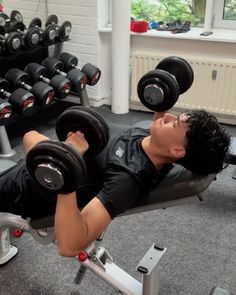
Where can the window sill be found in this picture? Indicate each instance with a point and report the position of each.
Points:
(219, 35)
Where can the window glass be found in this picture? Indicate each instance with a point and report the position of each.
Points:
(225, 14)
(169, 10)
(229, 10)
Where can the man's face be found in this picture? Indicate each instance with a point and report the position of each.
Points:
(169, 133)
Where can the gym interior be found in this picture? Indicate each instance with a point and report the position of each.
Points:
(55, 55)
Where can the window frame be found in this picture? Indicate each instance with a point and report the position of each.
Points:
(218, 21)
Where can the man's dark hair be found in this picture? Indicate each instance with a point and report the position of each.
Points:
(207, 144)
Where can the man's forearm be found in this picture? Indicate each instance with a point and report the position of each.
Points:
(31, 138)
(70, 228)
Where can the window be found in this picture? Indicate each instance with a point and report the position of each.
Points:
(169, 10)
(225, 14)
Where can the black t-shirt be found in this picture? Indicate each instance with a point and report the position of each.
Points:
(127, 173)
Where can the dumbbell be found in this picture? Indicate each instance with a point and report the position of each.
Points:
(92, 72)
(60, 84)
(16, 16)
(47, 35)
(159, 89)
(56, 67)
(58, 166)
(63, 30)
(21, 100)
(30, 37)
(5, 109)
(43, 93)
(9, 42)
(5, 106)
(4, 21)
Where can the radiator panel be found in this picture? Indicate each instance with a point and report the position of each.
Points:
(216, 95)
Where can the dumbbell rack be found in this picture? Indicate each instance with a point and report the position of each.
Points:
(20, 60)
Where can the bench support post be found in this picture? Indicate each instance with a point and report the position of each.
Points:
(101, 263)
(7, 251)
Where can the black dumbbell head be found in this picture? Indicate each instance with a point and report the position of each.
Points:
(32, 37)
(92, 72)
(61, 85)
(16, 25)
(70, 61)
(181, 69)
(49, 34)
(78, 80)
(35, 22)
(13, 42)
(87, 121)
(64, 31)
(23, 101)
(16, 16)
(4, 21)
(35, 70)
(4, 84)
(158, 90)
(2, 31)
(5, 110)
(53, 64)
(51, 19)
(56, 166)
(16, 76)
(43, 93)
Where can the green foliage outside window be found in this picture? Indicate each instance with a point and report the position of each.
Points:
(230, 10)
(169, 10)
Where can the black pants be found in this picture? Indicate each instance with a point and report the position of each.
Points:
(21, 195)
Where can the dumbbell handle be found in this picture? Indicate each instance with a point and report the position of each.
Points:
(5, 93)
(74, 66)
(44, 79)
(61, 73)
(20, 32)
(26, 86)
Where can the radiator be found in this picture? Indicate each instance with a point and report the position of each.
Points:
(213, 89)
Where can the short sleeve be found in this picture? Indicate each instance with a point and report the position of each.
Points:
(119, 192)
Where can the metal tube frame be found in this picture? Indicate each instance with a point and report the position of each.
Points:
(5, 146)
(101, 263)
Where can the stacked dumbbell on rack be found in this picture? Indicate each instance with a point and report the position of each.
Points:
(14, 35)
(40, 85)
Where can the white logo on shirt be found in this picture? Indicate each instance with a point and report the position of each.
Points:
(119, 152)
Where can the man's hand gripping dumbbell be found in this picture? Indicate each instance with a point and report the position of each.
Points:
(60, 166)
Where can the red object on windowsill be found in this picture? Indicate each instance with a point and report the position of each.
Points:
(138, 26)
(1, 8)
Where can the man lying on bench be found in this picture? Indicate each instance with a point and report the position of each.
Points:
(52, 181)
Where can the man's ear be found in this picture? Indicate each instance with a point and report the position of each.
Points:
(178, 152)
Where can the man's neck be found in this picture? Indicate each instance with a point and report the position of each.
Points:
(153, 153)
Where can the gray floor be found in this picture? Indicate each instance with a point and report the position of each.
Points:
(200, 239)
